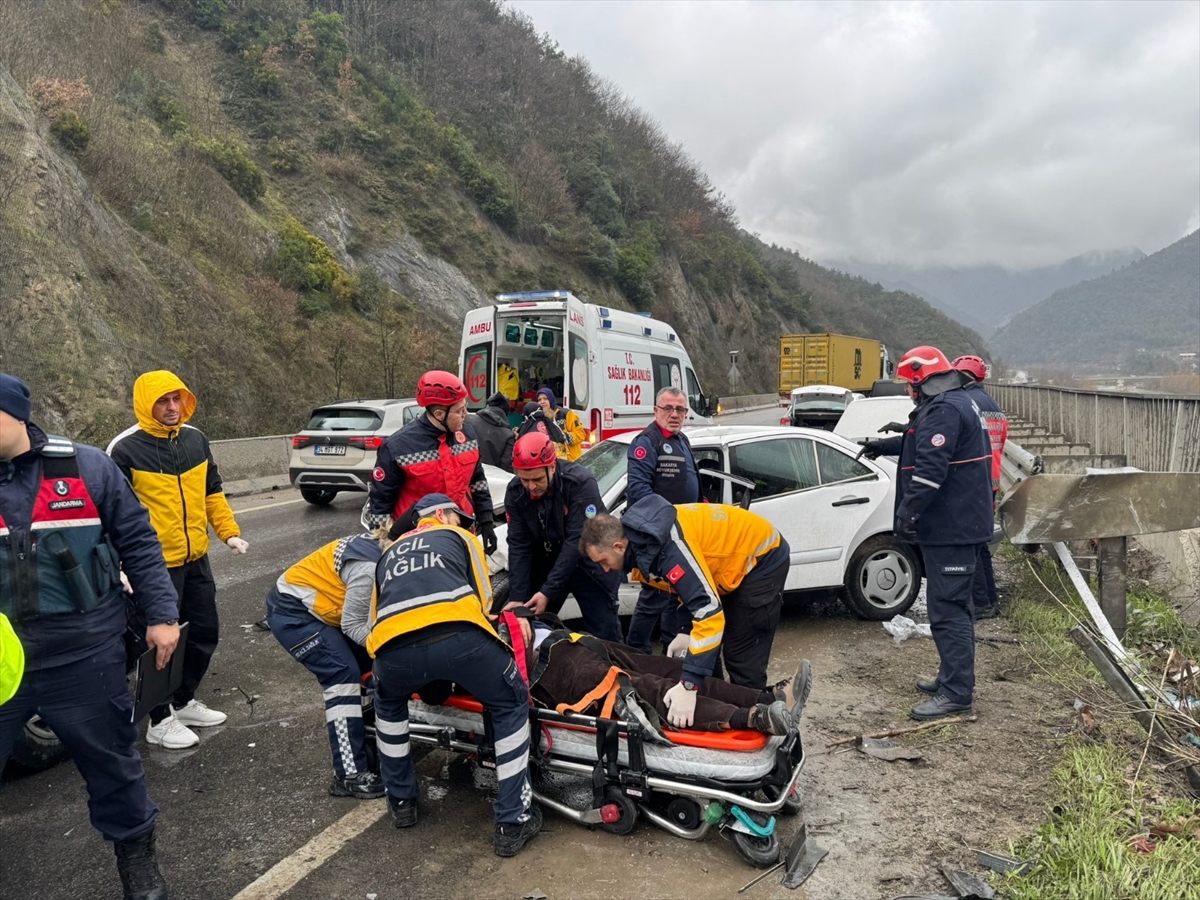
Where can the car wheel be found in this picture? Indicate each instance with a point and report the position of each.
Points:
(883, 578)
(38, 747)
(318, 496)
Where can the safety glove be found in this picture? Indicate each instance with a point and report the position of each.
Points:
(487, 532)
(681, 705)
(679, 645)
(237, 545)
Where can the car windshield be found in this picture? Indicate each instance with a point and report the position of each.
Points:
(607, 461)
(335, 419)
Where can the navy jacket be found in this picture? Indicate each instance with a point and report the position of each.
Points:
(663, 465)
(945, 472)
(544, 534)
(60, 639)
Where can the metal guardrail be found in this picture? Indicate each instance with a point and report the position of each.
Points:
(748, 401)
(1153, 433)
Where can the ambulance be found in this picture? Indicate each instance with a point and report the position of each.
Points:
(606, 364)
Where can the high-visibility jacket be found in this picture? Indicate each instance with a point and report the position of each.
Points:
(431, 575)
(997, 426)
(12, 660)
(317, 582)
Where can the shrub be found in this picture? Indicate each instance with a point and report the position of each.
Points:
(72, 131)
(284, 157)
(635, 264)
(305, 261)
(156, 39)
(208, 14)
(230, 159)
(167, 112)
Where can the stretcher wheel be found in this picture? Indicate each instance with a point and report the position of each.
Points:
(762, 853)
(627, 809)
(792, 806)
(685, 813)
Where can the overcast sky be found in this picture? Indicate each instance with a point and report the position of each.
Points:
(956, 133)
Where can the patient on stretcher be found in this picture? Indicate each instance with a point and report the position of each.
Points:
(570, 672)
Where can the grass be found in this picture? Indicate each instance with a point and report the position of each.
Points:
(1103, 838)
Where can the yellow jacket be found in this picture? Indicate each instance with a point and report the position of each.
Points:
(12, 660)
(572, 426)
(173, 473)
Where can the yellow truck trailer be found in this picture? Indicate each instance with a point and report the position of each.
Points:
(847, 362)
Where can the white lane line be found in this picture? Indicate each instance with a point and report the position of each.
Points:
(250, 509)
(289, 872)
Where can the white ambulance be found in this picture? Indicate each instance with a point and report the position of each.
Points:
(606, 364)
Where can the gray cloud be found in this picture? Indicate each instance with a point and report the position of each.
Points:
(1017, 133)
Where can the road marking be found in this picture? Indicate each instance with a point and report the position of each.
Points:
(288, 872)
(251, 509)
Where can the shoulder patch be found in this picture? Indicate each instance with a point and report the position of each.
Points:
(379, 474)
(675, 574)
(937, 440)
(666, 448)
(590, 511)
(639, 452)
(57, 446)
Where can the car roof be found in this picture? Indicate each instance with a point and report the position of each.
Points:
(365, 404)
(717, 434)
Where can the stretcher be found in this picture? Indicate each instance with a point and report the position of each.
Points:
(734, 780)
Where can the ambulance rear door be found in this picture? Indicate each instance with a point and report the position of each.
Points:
(477, 363)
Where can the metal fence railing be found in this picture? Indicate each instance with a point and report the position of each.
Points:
(1155, 434)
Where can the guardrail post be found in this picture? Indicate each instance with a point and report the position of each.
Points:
(1177, 439)
(1113, 581)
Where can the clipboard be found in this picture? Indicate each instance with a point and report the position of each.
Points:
(153, 686)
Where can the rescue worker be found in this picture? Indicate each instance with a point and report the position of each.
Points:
(660, 461)
(68, 520)
(983, 588)
(724, 563)
(537, 420)
(944, 506)
(305, 613)
(172, 470)
(496, 437)
(12, 660)
(436, 452)
(547, 504)
(574, 434)
(429, 622)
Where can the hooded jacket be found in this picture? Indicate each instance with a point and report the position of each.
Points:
(574, 434)
(173, 472)
(495, 437)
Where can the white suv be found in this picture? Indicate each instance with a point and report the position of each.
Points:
(336, 450)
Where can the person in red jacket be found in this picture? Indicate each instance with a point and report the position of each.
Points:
(436, 453)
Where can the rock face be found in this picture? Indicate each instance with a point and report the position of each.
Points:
(435, 284)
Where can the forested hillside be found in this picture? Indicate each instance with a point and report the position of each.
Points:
(288, 201)
(1152, 304)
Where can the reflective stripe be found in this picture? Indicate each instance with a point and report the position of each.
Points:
(423, 600)
(343, 711)
(513, 741)
(761, 549)
(699, 646)
(63, 523)
(512, 768)
(395, 729)
(395, 751)
(715, 603)
(959, 462)
(932, 484)
(342, 690)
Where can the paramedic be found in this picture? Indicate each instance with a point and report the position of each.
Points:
(429, 623)
(434, 452)
(660, 461)
(547, 505)
(726, 565)
(305, 613)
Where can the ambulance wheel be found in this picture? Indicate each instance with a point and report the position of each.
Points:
(792, 806)
(760, 852)
(627, 808)
(318, 496)
(37, 748)
(883, 578)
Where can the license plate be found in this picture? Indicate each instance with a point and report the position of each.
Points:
(330, 450)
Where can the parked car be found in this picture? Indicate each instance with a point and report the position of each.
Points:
(863, 418)
(336, 450)
(835, 511)
(817, 406)
(889, 387)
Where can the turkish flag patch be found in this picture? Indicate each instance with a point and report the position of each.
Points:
(675, 574)
(379, 474)
(639, 452)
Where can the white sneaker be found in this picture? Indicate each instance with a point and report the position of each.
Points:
(198, 715)
(172, 734)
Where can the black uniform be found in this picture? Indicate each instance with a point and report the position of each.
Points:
(543, 549)
(495, 436)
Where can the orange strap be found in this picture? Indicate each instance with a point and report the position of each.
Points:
(607, 689)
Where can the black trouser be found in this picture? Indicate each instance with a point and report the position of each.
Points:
(751, 617)
(655, 607)
(949, 573)
(197, 592)
(983, 586)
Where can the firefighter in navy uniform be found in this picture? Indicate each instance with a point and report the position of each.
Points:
(429, 622)
(435, 453)
(983, 590)
(944, 506)
(68, 521)
(306, 613)
(660, 461)
(547, 505)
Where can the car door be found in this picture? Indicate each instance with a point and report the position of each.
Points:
(816, 494)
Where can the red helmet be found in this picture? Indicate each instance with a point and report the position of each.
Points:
(972, 365)
(438, 388)
(533, 451)
(920, 362)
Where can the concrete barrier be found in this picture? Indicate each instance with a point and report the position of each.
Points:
(748, 402)
(250, 465)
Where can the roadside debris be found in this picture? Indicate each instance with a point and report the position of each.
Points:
(908, 729)
(967, 886)
(886, 749)
(1005, 865)
(901, 628)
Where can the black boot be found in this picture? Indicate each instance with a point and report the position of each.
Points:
(138, 868)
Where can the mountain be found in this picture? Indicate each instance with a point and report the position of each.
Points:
(985, 297)
(1151, 304)
(290, 202)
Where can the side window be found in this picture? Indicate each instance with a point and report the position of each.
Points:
(712, 489)
(667, 373)
(477, 375)
(694, 395)
(837, 466)
(578, 363)
(411, 412)
(775, 466)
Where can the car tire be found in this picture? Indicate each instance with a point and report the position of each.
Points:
(37, 748)
(883, 578)
(318, 496)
